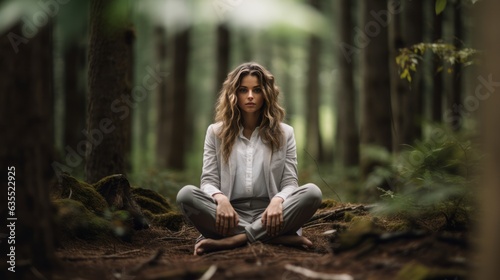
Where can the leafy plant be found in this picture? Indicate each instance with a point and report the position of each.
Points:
(409, 58)
(430, 179)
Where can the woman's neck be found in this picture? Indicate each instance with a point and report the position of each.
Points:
(251, 121)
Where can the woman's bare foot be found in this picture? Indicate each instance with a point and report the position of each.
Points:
(209, 245)
(292, 240)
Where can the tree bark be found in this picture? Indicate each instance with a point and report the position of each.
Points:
(486, 265)
(375, 88)
(413, 15)
(405, 31)
(347, 128)
(314, 145)
(177, 137)
(223, 55)
(75, 102)
(165, 101)
(455, 92)
(109, 111)
(437, 82)
(27, 149)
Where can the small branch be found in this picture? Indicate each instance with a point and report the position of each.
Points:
(209, 273)
(333, 213)
(113, 256)
(317, 275)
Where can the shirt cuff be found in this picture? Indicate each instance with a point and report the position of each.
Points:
(210, 190)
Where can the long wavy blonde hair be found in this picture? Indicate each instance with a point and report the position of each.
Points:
(228, 112)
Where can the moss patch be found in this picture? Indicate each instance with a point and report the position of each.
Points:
(77, 221)
(171, 220)
(82, 192)
(152, 195)
(328, 203)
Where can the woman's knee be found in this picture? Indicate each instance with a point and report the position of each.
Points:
(185, 194)
(313, 194)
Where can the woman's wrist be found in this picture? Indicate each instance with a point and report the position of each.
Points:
(220, 197)
(278, 199)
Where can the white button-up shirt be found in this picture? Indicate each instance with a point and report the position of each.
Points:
(249, 179)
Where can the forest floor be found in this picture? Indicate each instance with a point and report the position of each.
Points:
(346, 246)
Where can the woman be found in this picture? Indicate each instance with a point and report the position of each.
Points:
(249, 187)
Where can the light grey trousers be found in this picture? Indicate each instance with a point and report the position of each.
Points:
(200, 209)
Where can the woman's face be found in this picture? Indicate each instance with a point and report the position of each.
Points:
(250, 95)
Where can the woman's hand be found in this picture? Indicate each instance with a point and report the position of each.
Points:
(272, 218)
(225, 217)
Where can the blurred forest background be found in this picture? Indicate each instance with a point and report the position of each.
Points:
(383, 95)
(354, 109)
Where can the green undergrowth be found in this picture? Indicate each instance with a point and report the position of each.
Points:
(429, 184)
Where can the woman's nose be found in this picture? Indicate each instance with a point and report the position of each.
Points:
(250, 94)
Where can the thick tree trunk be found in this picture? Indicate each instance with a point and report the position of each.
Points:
(347, 128)
(177, 137)
(223, 55)
(75, 99)
(486, 264)
(27, 151)
(413, 15)
(313, 134)
(109, 112)
(165, 101)
(375, 88)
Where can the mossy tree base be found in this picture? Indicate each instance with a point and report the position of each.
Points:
(109, 207)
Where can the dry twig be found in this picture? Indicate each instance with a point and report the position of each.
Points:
(317, 275)
(113, 256)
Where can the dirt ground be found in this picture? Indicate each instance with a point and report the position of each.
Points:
(158, 253)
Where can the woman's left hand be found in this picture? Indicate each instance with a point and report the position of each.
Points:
(272, 218)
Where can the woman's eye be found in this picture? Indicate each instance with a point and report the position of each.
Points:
(258, 90)
(242, 90)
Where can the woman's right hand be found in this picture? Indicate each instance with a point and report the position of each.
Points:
(226, 217)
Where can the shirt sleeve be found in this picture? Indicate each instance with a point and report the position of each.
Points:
(289, 180)
(210, 175)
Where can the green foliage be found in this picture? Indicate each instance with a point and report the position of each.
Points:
(440, 6)
(409, 58)
(429, 179)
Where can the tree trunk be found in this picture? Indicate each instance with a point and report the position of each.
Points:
(347, 128)
(109, 112)
(437, 89)
(486, 265)
(177, 137)
(405, 31)
(413, 14)
(313, 134)
(455, 93)
(223, 55)
(75, 100)
(375, 88)
(287, 81)
(165, 101)
(27, 150)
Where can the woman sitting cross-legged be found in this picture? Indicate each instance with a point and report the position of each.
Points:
(249, 187)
